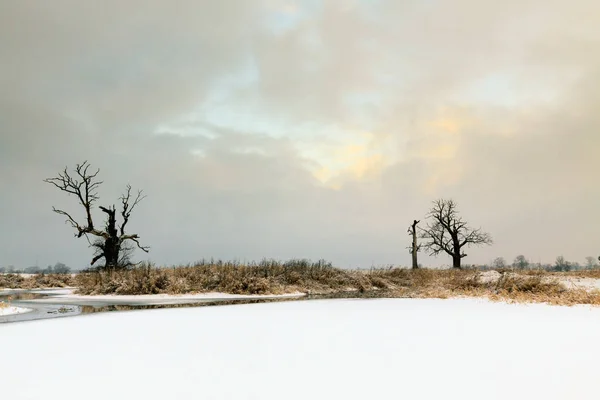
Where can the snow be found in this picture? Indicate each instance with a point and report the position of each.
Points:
(22, 275)
(11, 310)
(51, 291)
(325, 349)
(55, 291)
(488, 277)
(67, 296)
(589, 284)
(569, 282)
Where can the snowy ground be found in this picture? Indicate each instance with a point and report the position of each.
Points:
(24, 275)
(588, 284)
(10, 310)
(569, 282)
(329, 349)
(66, 296)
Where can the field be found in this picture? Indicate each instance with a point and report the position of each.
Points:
(383, 333)
(321, 278)
(329, 349)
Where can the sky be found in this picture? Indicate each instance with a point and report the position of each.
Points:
(303, 129)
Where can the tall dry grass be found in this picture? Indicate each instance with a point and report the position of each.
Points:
(16, 281)
(265, 277)
(321, 278)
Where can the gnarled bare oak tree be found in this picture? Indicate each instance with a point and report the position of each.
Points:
(447, 232)
(111, 242)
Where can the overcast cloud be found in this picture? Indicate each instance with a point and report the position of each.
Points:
(315, 129)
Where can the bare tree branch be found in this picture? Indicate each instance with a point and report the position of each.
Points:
(84, 188)
(438, 240)
(127, 207)
(96, 258)
(70, 220)
(134, 238)
(475, 237)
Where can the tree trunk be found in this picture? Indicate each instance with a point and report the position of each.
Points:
(456, 261)
(415, 264)
(111, 244)
(415, 248)
(456, 257)
(111, 252)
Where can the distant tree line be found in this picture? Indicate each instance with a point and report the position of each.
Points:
(560, 264)
(58, 268)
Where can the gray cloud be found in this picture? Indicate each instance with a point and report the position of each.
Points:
(95, 80)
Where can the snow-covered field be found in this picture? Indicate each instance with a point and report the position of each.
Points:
(10, 310)
(329, 349)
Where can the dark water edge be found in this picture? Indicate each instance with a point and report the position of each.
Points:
(26, 299)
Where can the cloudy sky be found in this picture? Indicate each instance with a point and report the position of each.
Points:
(317, 129)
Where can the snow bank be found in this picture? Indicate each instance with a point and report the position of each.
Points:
(10, 310)
(589, 284)
(327, 349)
(569, 282)
(67, 297)
(488, 277)
(22, 275)
(66, 291)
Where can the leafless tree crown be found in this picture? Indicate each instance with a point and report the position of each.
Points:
(447, 232)
(110, 240)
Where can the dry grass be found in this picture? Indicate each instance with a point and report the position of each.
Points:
(593, 273)
(15, 281)
(320, 278)
(531, 287)
(266, 277)
(11, 281)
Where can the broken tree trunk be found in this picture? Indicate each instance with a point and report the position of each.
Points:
(112, 243)
(414, 248)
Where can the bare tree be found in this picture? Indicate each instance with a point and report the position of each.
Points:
(591, 263)
(112, 240)
(448, 233)
(499, 263)
(414, 248)
(562, 265)
(520, 262)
